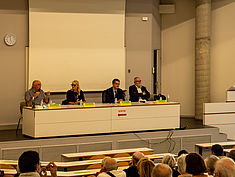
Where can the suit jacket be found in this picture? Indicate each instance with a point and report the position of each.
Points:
(109, 98)
(134, 95)
(132, 171)
(72, 96)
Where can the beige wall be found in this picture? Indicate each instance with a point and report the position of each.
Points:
(178, 52)
(14, 19)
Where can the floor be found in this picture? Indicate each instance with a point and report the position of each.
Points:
(10, 135)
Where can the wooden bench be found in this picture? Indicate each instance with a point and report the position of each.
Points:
(199, 147)
(81, 155)
(85, 163)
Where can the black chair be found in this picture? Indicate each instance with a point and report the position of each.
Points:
(104, 93)
(22, 104)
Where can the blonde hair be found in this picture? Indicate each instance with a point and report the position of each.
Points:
(145, 167)
(181, 163)
(169, 160)
(77, 83)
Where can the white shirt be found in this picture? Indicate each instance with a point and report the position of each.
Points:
(139, 89)
(117, 173)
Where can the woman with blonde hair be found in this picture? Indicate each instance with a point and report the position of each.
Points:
(74, 95)
(170, 160)
(145, 167)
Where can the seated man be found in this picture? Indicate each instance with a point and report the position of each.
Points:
(110, 169)
(36, 94)
(29, 166)
(138, 91)
(217, 150)
(114, 92)
(132, 171)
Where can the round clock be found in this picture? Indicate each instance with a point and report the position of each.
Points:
(10, 39)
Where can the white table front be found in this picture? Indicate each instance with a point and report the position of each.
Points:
(104, 118)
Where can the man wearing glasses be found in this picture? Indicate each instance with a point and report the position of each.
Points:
(36, 95)
(137, 91)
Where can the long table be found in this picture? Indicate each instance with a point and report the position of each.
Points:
(103, 118)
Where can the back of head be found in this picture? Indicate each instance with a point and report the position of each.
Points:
(161, 170)
(136, 157)
(182, 152)
(210, 163)
(28, 161)
(169, 160)
(195, 164)
(232, 155)
(145, 167)
(225, 167)
(181, 163)
(217, 150)
(110, 164)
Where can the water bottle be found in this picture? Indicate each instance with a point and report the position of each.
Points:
(41, 102)
(33, 103)
(168, 98)
(115, 101)
(81, 102)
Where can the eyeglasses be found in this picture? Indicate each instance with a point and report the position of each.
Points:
(138, 81)
(73, 85)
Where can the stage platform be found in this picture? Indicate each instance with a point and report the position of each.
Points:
(50, 149)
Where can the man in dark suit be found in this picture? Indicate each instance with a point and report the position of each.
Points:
(114, 92)
(137, 91)
(132, 171)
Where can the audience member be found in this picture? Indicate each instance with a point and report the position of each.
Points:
(28, 164)
(132, 171)
(110, 169)
(170, 160)
(35, 95)
(195, 165)
(182, 152)
(232, 155)
(102, 166)
(217, 150)
(182, 166)
(210, 164)
(225, 167)
(75, 95)
(161, 170)
(145, 167)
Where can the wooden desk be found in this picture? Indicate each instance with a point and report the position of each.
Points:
(104, 118)
(66, 165)
(109, 152)
(200, 147)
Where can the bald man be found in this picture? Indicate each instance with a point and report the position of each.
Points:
(110, 169)
(225, 167)
(161, 170)
(132, 171)
(36, 94)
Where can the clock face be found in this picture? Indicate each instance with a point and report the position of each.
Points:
(10, 39)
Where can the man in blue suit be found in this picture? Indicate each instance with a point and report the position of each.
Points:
(114, 92)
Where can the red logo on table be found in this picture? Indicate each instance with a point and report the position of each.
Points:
(122, 113)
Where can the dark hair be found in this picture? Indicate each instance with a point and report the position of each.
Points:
(195, 164)
(114, 80)
(217, 149)
(232, 155)
(28, 161)
(182, 152)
